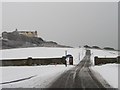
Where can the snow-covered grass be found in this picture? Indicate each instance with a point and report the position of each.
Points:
(43, 75)
(109, 73)
(42, 52)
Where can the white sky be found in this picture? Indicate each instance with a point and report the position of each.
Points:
(67, 23)
(60, 0)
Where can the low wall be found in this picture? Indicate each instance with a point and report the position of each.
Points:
(32, 61)
(99, 61)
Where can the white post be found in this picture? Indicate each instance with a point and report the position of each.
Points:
(79, 56)
(65, 52)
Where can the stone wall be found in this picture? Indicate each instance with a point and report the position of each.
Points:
(32, 61)
(99, 61)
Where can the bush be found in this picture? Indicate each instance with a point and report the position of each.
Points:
(108, 48)
(96, 47)
(86, 46)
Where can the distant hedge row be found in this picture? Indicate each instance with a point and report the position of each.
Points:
(97, 47)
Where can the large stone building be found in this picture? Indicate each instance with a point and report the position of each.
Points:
(28, 33)
(23, 32)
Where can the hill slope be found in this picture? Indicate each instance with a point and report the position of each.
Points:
(15, 40)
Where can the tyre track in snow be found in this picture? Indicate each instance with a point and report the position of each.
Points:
(23, 79)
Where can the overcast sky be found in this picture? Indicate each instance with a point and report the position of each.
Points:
(67, 23)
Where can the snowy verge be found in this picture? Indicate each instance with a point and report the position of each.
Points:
(44, 75)
(109, 72)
